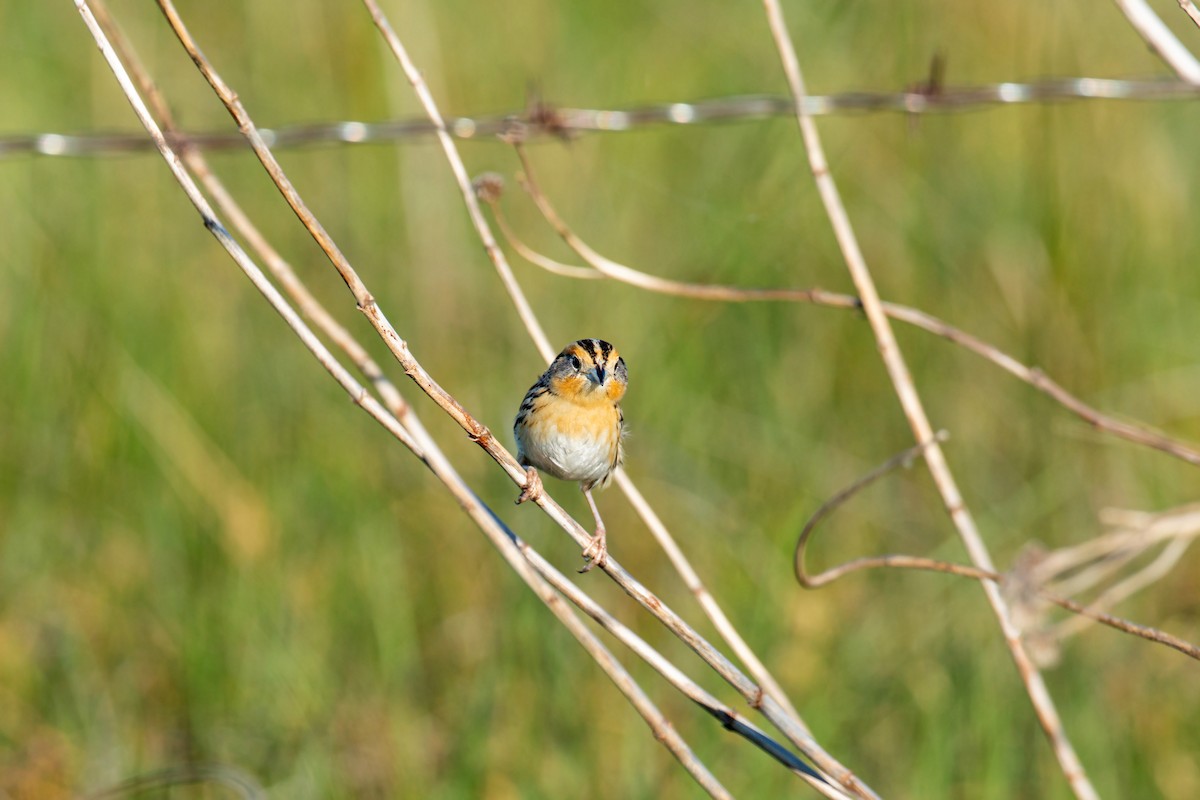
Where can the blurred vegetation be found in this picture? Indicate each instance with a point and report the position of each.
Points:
(208, 554)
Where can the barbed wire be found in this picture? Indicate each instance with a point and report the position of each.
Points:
(540, 119)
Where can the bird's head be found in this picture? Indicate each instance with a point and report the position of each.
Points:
(589, 371)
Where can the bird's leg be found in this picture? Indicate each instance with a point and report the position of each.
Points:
(597, 550)
(533, 486)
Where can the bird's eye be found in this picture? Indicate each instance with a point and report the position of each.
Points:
(574, 361)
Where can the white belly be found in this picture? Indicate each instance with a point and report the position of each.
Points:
(572, 458)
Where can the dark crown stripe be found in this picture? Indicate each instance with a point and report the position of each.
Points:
(590, 346)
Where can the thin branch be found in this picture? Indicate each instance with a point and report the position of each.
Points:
(910, 401)
(729, 718)
(1151, 28)
(1104, 556)
(729, 632)
(1136, 433)
(606, 267)
(477, 431)
(488, 188)
(642, 280)
(1020, 581)
(1190, 9)
(1147, 576)
(769, 699)
(524, 310)
(1138, 530)
(305, 301)
(433, 458)
(904, 459)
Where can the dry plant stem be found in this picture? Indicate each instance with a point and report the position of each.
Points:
(729, 718)
(910, 401)
(620, 272)
(1110, 553)
(478, 432)
(676, 555)
(704, 597)
(1143, 530)
(433, 458)
(363, 298)
(1161, 40)
(1085, 579)
(536, 258)
(392, 397)
(1189, 8)
(305, 301)
(1039, 380)
(524, 310)
(1150, 634)
(1092, 611)
(904, 459)
(771, 706)
(356, 391)
(1136, 433)
(1147, 576)
(989, 578)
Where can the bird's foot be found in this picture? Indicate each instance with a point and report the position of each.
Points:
(596, 553)
(533, 486)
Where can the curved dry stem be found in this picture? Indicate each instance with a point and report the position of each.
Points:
(1022, 580)
(488, 187)
(488, 192)
(620, 272)
(913, 408)
(904, 459)
(1136, 433)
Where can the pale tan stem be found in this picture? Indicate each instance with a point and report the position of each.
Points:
(914, 410)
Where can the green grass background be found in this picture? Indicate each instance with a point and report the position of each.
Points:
(207, 553)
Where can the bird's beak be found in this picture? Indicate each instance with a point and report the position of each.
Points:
(596, 376)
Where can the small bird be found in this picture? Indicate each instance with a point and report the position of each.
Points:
(570, 425)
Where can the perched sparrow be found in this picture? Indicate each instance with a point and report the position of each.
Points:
(570, 425)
